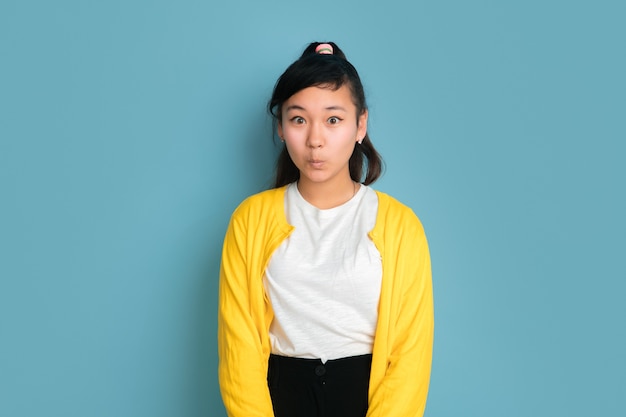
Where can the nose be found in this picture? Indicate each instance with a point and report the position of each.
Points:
(315, 138)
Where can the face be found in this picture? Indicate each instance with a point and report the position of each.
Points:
(320, 128)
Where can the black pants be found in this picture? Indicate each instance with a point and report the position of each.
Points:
(308, 388)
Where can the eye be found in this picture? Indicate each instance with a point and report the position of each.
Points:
(333, 120)
(298, 120)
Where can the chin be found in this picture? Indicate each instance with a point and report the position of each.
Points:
(316, 178)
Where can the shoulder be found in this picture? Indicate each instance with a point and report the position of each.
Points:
(260, 205)
(389, 206)
(390, 203)
(396, 217)
(264, 198)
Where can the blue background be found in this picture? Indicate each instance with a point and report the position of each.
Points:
(131, 129)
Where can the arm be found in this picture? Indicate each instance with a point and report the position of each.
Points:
(404, 387)
(242, 363)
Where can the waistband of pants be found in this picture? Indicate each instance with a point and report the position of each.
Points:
(348, 363)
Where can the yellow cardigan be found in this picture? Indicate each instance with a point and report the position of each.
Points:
(402, 352)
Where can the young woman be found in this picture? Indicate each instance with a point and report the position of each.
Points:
(325, 305)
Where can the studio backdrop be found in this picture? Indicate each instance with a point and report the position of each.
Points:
(130, 130)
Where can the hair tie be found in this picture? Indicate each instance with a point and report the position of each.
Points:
(324, 49)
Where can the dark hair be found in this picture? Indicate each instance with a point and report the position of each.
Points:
(313, 69)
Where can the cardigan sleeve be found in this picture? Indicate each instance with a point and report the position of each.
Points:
(242, 363)
(404, 387)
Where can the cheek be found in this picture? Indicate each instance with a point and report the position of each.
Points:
(293, 136)
(294, 143)
(348, 136)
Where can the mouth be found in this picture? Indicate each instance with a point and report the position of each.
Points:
(316, 163)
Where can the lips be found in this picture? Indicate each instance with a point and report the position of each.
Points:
(316, 163)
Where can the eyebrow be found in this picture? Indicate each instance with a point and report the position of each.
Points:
(294, 107)
(297, 107)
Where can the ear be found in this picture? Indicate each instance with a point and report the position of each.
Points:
(361, 126)
(279, 130)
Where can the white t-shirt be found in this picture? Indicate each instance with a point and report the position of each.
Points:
(324, 280)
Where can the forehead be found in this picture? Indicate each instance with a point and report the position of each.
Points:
(320, 97)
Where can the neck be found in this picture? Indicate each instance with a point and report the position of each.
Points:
(327, 195)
